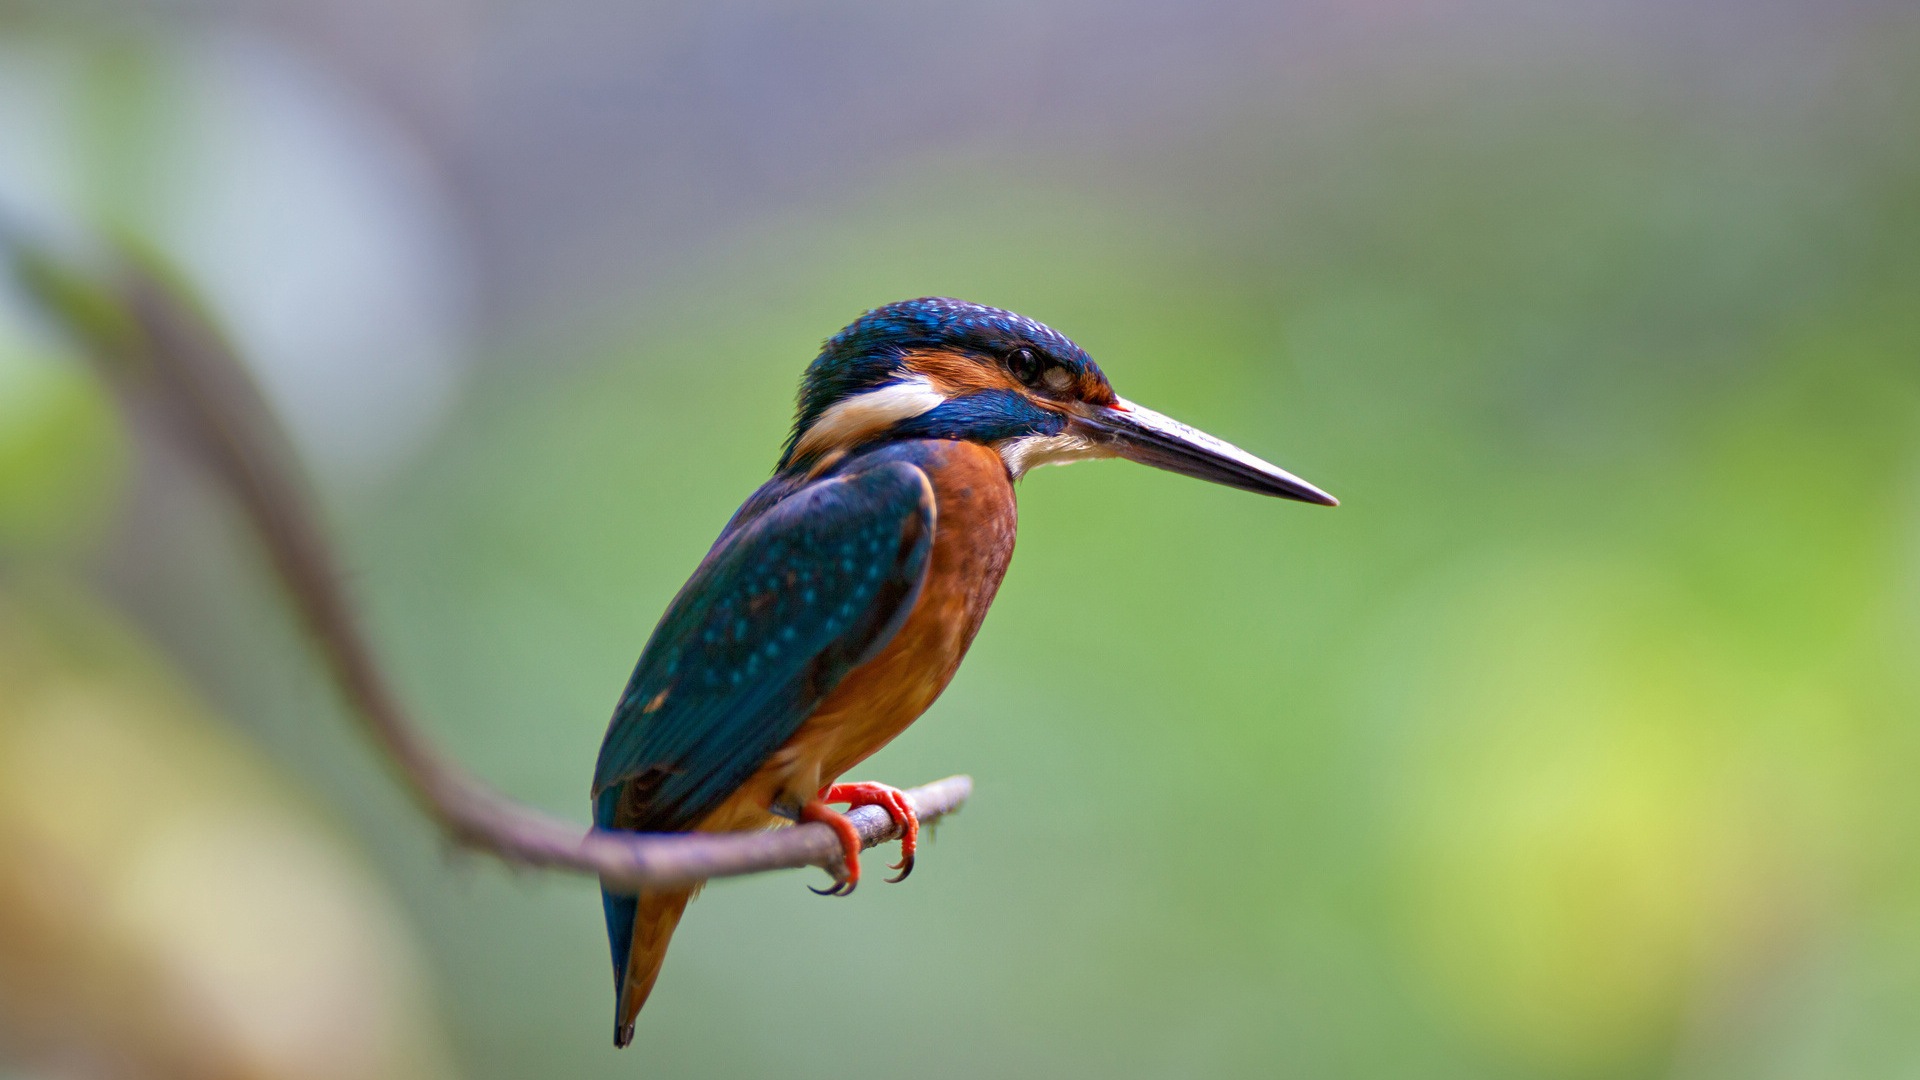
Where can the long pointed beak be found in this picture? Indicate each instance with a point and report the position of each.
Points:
(1140, 434)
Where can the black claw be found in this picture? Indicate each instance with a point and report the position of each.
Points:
(905, 866)
(840, 888)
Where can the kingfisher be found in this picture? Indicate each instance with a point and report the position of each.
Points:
(839, 599)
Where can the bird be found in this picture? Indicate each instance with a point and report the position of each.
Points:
(838, 601)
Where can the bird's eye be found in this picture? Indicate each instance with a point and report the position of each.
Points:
(1022, 364)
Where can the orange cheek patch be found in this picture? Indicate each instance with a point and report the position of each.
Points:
(957, 375)
(1095, 390)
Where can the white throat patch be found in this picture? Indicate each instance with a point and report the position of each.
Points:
(848, 422)
(1031, 451)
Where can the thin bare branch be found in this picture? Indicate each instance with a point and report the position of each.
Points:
(146, 334)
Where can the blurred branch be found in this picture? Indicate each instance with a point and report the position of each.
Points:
(140, 326)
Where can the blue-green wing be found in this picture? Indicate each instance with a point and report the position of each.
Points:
(778, 613)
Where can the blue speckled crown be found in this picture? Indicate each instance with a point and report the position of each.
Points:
(868, 353)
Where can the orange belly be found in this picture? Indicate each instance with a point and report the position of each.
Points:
(972, 544)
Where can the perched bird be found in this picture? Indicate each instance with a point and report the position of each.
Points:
(837, 603)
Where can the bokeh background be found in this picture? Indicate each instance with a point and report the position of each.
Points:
(1581, 741)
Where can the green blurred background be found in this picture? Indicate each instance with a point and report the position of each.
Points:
(1581, 741)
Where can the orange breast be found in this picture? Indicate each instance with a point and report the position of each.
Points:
(972, 544)
(973, 539)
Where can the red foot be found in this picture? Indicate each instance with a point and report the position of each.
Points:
(895, 803)
(889, 799)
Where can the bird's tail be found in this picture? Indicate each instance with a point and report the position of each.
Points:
(640, 928)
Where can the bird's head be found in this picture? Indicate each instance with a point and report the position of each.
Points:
(936, 368)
